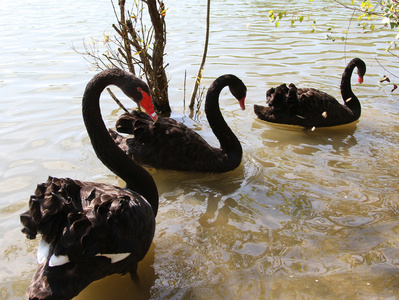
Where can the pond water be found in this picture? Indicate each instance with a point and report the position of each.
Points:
(307, 214)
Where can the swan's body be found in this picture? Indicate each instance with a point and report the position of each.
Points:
(91, 230)
(310, 107)
(168, 144)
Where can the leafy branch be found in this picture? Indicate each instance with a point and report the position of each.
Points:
(368, 11)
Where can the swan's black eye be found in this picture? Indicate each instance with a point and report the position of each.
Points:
(139, 89)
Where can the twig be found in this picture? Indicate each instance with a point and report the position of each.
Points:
(200, 98)
(347, 32)
(201, 69)
(184, 90)
(385, 69)
(353, 8)
(117, 101)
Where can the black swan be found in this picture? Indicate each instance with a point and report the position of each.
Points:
(91, 230)
(168, 144)
(309, 107)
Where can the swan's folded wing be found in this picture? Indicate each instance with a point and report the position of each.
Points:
(315, 102)
(163, 144)
(83, 219)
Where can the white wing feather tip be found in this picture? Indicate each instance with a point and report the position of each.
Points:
(115, 257)
(58, 260)
(43, 251)
(63, 259)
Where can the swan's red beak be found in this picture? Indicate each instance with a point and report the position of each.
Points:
(242, 103)
(146, 104)
(360, 79)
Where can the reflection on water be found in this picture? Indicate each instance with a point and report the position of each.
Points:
(308, 214)
(338, 139)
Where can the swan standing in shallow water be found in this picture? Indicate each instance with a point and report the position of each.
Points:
(168, 144)
(309, 107)
(91, 230)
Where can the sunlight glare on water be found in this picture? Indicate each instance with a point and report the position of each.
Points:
(307, 214)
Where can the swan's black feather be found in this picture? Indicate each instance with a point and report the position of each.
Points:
(82, 219)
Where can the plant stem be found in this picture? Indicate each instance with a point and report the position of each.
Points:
(201, 69)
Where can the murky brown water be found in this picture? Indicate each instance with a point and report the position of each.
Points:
(307, 215)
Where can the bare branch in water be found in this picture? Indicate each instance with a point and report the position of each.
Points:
(201, 69)
(136, 45)
(117, 101)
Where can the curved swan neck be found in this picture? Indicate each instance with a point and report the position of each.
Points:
(350, 99)
(136, 177)
(228, 141)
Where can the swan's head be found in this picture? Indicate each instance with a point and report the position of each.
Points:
(239, 91)
(361, 68)
(137, 90)
(146, 104)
